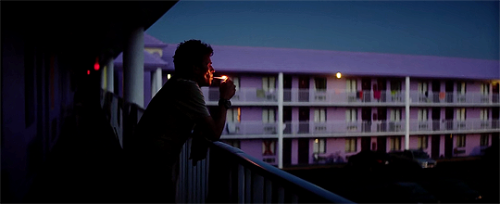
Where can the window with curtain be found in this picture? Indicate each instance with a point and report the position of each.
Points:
(351, 115)
(319, 145)
(422, 115)
(351, 85)
(460, 116)
(233, 115)
(320, 83)
(395, 115)
(268, 147)
(395, 143)
(320, 115)
(423, 87)
(268, 83)
(422, 142)
(484, 140)
(461, 86)
(484, 114)
(460, 139)
(268, 115)
(485, 89)
(350, 145)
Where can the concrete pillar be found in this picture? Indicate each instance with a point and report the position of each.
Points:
(133, 68)
(407, 113)
(156, 82)
(110, 83)
(280, 120)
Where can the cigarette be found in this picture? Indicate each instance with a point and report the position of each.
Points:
(222, 77)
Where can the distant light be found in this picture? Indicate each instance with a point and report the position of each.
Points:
(316, 141)
(338, 75)
(88, 72)
(168, 76)
(96, 65)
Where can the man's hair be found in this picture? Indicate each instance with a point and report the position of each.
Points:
(190, 53)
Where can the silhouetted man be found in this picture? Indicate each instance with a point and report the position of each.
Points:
(170, 118)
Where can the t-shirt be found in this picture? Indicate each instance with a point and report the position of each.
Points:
(171, 115)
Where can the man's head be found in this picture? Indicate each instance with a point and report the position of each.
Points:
(192, 60)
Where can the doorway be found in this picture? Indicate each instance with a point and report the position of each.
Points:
(494, 117)
(436, 89)
(287, 151)
(382, 87)
(449, 91)
(436, 140)
(303, 151)
(366, 143)
(287, 119)
(382, 119)
(382, 144)
(304, 120)
(303, 89)
(449, 118)
(436, 118)
(366, 113)
(365, 87)
(448, 146)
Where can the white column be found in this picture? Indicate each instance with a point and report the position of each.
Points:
(156, 83)
(407, 113)
(110, 83)
(280, 120)
(133, 68)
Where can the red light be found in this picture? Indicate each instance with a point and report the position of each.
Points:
(96, 65)
(88, 72)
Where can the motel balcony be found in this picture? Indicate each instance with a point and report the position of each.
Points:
(243, 96)
(469, 98)
(258, 129)
(454, 126)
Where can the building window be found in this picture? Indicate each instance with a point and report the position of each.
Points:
(484, 114)
(395, 115)
(484, 140)
(268, 147)
(350, 145)
(423, 115)
(268, 83)
(395, 143)
(320, 83)
(485, 89)
(233, 143)
(422, 142)
(461, 86)
(268, 115)
(319, 145)
(423, 87)
(460, 141)
(320, 115)
(351, 115)
(233, 115)
(351, 86)
(460, 116)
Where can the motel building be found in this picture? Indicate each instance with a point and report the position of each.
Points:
(304, 107)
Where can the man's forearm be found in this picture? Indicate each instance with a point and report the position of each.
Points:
(219, 116)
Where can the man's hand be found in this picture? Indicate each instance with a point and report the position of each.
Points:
(227, 89)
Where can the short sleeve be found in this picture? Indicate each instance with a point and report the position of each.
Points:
(190, 100)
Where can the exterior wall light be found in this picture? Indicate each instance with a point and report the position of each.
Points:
(338, 75)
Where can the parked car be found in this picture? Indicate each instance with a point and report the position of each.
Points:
(417, 155)
(393, 192)
(368, 160)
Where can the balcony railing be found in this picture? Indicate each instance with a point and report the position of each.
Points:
(346, 97)
(256, 128)
(445, 97)
(228, 175)
(242, 95)
(310, 127)
(453, 125)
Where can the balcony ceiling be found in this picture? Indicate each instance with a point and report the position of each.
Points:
(80, 29)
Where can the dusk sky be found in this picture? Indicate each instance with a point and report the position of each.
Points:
(468, 29)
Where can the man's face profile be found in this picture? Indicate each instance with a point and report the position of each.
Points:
(205, 73)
